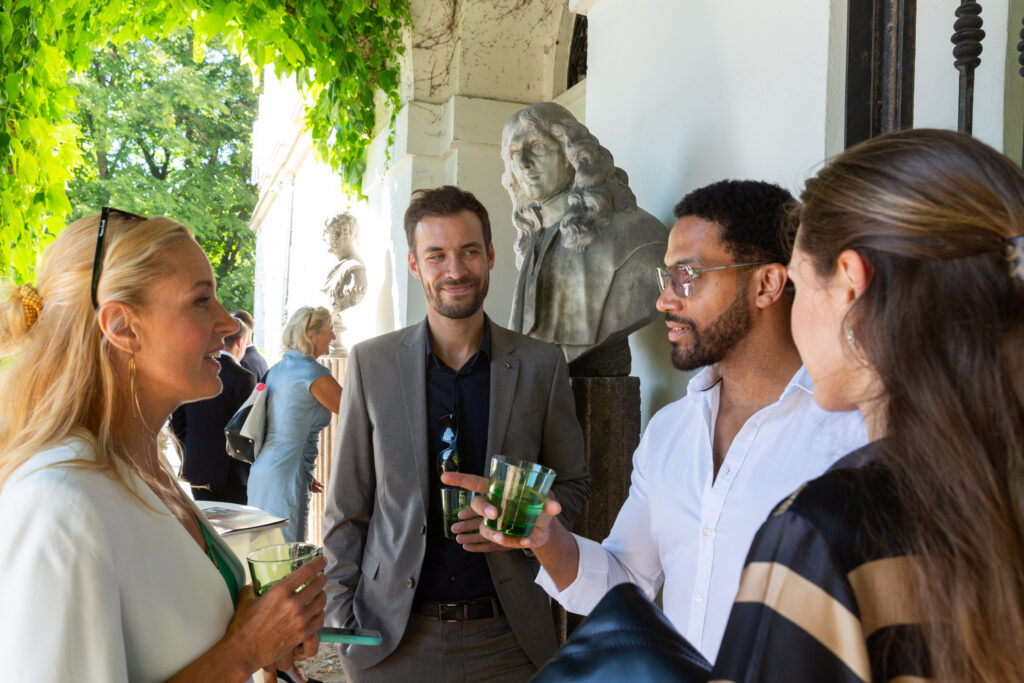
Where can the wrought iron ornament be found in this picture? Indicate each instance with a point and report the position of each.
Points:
(1020, 60)
(967, 37)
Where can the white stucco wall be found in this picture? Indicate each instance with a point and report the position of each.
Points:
(686, 93)
(298, 194)
(936, 80)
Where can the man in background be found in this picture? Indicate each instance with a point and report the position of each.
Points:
(251, 360)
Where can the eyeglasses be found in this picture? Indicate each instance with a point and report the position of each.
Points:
(101, 234)
(681, 276)
(448, 460)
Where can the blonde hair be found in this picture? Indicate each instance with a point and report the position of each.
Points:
(62, 380)
(304, 324)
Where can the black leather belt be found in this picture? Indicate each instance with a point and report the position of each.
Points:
(483, 608)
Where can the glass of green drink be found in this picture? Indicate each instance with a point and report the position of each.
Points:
(518, 489)
(269, 565)
(453, 501)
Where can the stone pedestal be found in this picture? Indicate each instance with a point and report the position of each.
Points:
(608, 409)
(317, 502)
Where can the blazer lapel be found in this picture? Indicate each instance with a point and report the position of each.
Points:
(504, 375)
(412, 385)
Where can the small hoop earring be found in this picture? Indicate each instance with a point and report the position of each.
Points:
(131, 385)
(850, 338)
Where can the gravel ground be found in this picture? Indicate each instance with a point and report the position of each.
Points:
(325, 666)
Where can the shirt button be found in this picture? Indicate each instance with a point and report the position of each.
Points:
(706, 531)
(423, 530)
(699, 597)
(410, 583)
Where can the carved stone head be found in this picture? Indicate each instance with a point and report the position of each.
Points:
(340, 233)
(547, 151)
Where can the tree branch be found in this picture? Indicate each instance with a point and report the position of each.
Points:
(154, 170)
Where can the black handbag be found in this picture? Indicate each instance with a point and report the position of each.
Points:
(626, 638)
(247, 428)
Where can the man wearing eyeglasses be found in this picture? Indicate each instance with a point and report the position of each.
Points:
(447, 393)
(711, 466)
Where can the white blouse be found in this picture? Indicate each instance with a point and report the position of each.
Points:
(95, 586)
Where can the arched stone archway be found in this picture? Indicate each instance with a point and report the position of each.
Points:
(468, 66)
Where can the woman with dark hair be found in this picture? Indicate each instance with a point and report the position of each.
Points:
(905, 561)
(907, 558)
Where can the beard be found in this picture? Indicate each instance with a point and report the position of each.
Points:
(712, 344)
(465, 306)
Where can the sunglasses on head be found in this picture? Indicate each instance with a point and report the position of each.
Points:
(101, 234)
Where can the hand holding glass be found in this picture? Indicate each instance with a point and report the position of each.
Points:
(269, 565)
(518, 489)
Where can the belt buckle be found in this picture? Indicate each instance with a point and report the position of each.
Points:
(448, 612)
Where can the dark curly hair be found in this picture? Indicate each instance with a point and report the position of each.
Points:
(755, 218)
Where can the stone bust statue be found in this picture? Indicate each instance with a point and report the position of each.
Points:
(346, 283)
(586, 253)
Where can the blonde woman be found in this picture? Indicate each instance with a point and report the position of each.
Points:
(109, 572)
(302, 395)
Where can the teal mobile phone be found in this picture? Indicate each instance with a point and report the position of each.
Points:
(351, 636)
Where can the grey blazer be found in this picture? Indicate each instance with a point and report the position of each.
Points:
(376, 517)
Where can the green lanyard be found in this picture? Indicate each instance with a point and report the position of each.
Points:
(221, 563)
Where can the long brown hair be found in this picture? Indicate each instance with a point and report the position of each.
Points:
(942, 324)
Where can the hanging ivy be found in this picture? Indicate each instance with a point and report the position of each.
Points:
(341, 52)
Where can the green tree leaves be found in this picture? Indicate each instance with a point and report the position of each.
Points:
(341, 51)
(164, 134)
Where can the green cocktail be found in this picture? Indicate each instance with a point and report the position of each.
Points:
(269, 565)
(519, 515)
(518, 490)
(453, 501)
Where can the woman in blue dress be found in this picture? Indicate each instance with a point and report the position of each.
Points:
(302, 395)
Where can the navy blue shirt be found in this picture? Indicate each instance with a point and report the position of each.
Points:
(450, 573)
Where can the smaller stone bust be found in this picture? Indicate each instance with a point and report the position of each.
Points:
(346, 283)
(586, 253)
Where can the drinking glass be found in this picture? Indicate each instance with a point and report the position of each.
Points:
(453, 501)
(269, 565)
(518, 489)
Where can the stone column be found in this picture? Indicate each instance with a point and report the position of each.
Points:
(315, 521)
(608, 409)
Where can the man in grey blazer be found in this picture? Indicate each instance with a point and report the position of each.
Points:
(455, 381)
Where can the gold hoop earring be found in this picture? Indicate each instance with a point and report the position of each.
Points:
(131, 385)
(850, 338)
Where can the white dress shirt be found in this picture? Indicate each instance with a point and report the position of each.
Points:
(680, 530)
